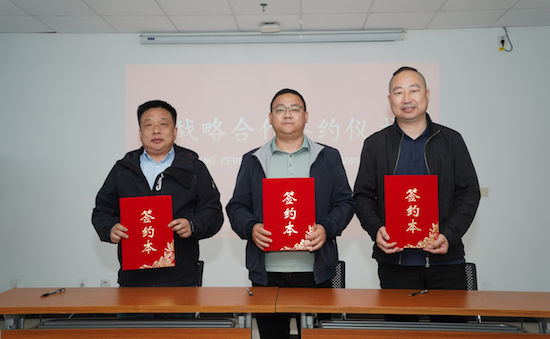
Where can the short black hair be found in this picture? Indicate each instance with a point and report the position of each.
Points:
(153, 104)
(408, 68)
(286, 91)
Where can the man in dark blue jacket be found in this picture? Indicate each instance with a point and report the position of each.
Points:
(290, 154)
(414, 145)
(161, 168)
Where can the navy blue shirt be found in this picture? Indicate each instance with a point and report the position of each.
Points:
(411, 157)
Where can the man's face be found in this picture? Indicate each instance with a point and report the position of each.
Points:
(408, 97)
(288, 123)
(157, 131)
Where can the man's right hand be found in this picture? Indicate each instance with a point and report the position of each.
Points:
(261, 236)
(118, 232)
(382, 238)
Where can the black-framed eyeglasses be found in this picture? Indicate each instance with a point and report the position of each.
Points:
(281, 109)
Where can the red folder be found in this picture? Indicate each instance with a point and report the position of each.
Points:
(412, 209)
(150, 242)
(289, 212)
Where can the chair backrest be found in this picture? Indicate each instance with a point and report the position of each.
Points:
(339, 279)
(471, 276)
(200, 268)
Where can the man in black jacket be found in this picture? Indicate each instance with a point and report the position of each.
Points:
(414, 145)
(161, 168)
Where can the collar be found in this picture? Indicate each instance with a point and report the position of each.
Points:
(273, 149)
(169, 154)
(425, 134)
(431, 127)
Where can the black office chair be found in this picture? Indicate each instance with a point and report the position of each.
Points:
(471, 276)
(471, 281)
(339, 279)
(200, 268)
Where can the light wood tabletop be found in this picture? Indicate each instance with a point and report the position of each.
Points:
(435, 302)
(139, 300)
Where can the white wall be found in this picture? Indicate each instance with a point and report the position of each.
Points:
(62, 107)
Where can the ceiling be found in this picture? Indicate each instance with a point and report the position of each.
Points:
(173, 16)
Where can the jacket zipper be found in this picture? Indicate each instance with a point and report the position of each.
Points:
(426, 144)
(395, 170)
(399, 153)
(158, 183)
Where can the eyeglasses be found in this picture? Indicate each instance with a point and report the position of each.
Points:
(281, 109)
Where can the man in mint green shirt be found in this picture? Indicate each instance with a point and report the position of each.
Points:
(290, 154)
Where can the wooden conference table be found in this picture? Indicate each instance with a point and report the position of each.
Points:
(21, 301)
(435, 302)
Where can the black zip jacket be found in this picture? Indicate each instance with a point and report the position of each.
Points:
(194, 197)
(447, 157)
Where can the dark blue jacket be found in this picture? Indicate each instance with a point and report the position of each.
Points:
(334, 206)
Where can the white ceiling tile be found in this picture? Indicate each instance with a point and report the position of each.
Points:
(465, 19)
(22, 24)
(242, 7)
(246, 15)
(205, 23)
(333, 22)
(54, 7)
(401, 6)
(141, 24)
(8, 8)
(195, 7)
(524, 18)
(125, 7)
(532, 4)
(467, 5)
(252, 23)
(331, 6)
(79, 24)
(399, 20)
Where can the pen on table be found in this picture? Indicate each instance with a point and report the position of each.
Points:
(54, 292)
(249, 291)
(419, 292)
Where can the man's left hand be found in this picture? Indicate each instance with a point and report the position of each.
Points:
(440, 246)
(182, 227)
(317, 238)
